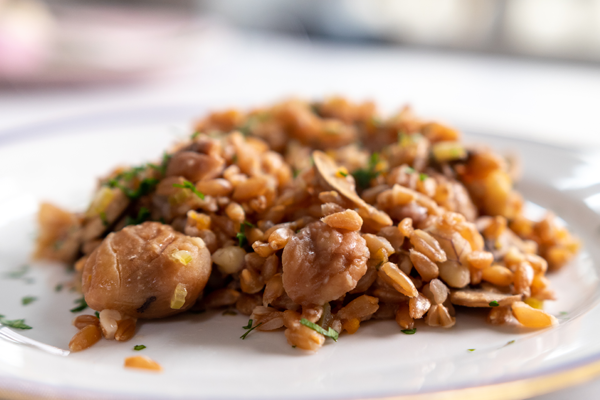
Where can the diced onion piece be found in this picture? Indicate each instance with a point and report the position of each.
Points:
(351, 325)
(178, 299)
(230, 259)
(102, 199)
(202, 220)
(535, 303)
(448, 151)
(342, 172)
(182, 256)
(142, 362)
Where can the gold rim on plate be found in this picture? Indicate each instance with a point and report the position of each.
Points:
(513, 390)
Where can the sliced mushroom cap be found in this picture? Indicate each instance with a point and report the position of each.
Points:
(481, 298)
(345, 186)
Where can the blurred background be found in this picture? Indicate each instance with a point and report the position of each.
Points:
(526, 68)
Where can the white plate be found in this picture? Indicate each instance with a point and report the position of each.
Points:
(203, 356)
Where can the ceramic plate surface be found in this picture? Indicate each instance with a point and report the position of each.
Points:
(203, 356)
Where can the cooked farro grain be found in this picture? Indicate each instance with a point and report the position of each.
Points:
(142, 362)
(280, 213)
(86, 337)
(82, 321)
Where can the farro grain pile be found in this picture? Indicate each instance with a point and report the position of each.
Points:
(312, 217)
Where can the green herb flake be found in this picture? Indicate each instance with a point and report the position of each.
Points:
(409, 331)
(142, 216)
(249, 328)
(234, 159)
(165, 162)
(364, 176)
(510, 342)
(471, 350)
(139, 347)
(494, 303)
(97, 314)
(423, 177)
(82, 305)
(196, 134)
(18, 273)
(15, 323)
(241, 235)
(331, 333)
(28, 300)
(563, 313)
(375, 120)
(103, 218)
(242, 240)
(189, 185)
(145, 187)
(229, 312)
(342, 173)
(294, 346)
(410, 170)
(58, 287)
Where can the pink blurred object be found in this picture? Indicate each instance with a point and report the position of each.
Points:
(90, 44)
(26, 34)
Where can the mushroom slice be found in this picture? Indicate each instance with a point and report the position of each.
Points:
(328, 170)
(481, 298)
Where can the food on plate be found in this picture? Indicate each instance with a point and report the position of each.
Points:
(313, 218)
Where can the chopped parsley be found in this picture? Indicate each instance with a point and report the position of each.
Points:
(494, 303)
(249, 328)
(162, 168)
(103, 218)
(563, 313)
(342, 173)
(241, 235)
(422, 177)
(409, 331)
(330, 333)
(58, 287)
(364, 176)
(410, 170)
(15, 323)
(195, 134)
(139, 347)
(18, 273)
(82, 305)
(510, 342)
(28, 300)
(189, 185)
(229, 312)
(247, 128)
(143, 216)
(97, 314)
(471, 350)
(145, 187)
